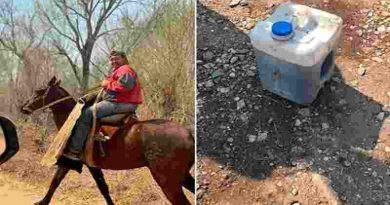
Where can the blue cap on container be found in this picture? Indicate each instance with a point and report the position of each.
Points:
(282, 29)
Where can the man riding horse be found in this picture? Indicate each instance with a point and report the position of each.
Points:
(121, 94)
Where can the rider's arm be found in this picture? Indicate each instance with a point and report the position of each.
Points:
(126, 80)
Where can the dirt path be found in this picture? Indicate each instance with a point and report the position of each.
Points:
(15, 192)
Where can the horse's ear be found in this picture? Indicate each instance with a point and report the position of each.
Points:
(52, 81)
(57, 82)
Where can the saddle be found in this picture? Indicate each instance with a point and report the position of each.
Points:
(119, 121)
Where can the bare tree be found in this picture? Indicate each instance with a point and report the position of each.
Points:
(19, 31)
(23, 36)
(79, 24)
(135, 28)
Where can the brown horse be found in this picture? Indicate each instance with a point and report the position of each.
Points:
(165, 147)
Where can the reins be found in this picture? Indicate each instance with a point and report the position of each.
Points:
(94, 112)
(53, 103)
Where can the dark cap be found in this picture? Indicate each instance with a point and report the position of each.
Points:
(118, 53)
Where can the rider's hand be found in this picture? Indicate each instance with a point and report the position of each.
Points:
(104, 83)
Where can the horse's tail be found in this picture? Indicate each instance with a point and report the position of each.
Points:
(189, 181)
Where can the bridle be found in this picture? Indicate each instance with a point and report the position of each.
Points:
(50, 104)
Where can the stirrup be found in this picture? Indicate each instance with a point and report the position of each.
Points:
(101, 137)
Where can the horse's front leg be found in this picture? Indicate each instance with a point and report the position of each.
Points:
(101, 183)
(55, 182)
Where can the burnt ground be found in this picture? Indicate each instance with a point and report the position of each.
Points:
(246, 135)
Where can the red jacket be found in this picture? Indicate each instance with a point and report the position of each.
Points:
(123, 86)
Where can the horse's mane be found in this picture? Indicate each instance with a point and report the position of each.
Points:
(66, 92)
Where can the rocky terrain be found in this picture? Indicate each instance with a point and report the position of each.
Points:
(257, 148)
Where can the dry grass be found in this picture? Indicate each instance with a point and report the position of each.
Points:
(165, 63)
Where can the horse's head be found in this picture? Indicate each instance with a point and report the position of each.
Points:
(41, 97)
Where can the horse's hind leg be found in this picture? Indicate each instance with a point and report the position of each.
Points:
(189, 182)
(55, 182)
(101, 183)
(170, 183)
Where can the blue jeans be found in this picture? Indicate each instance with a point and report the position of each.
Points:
(84, 123)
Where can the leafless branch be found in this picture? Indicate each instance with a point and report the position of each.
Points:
(63, 52)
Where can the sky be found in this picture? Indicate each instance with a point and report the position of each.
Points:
(28, 5)
(24, 4)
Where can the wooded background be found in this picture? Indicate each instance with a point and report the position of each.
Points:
(72, 39)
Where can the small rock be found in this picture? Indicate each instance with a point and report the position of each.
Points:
(232, 75)
(381, 29)
(225, 176)
(227, 149)
(230, 139)
(350, 179)
(224, 90)
(359, 32)
(294, 191)
(263, 136)
(374, 174)
(216, 74)
(244, 117)
(242, 51)
(297, 151)
(342, 102)
(387, 149)
(208, 55)
(244, 3)
(240, 104)
(233, 59)
(380, 116)
(200, 193)
(325, 126)
(305, 112)
(361, 70)
(336, 79)
(354, 83)
(250, 25)
(209, 83)
(385, 13)
(250, 73)
(236, 99)
(279, 184)
(234, 3)
(241, 57)
(295, 203)
(347, 163)
(298, 123)
(231, 50)
(326, 158)
(252, 138)
(377, 59)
